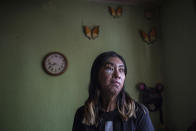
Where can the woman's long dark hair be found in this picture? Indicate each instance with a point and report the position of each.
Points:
(125, 104)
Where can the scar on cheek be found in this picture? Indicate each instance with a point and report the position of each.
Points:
(108, 71)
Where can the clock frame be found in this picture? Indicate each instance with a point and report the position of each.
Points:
(55, 63)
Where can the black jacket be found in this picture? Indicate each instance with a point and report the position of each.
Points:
(141, 122)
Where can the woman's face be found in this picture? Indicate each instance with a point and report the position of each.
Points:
(112, 76)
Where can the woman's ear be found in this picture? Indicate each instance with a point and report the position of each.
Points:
(141, 86)
(159, 87)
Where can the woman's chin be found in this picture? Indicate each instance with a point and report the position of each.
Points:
(114, 91)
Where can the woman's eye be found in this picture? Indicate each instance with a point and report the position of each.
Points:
(122, 70)
(109, 69)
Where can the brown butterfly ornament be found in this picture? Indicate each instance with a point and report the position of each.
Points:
(115, 12)
(149, 37)
(91, 33)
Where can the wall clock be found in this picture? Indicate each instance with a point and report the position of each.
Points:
(55, 63)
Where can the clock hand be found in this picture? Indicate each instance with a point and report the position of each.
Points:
(52, 63)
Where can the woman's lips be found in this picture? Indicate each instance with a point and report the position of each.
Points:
(116, 83)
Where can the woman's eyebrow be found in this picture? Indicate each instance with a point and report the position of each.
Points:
(110, 63)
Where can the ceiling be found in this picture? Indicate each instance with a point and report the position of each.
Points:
(148, 3)
(132, 2)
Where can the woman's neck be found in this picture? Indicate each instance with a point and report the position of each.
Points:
(108, 103)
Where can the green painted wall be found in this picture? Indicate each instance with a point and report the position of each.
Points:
(31, 100)
(178, 49)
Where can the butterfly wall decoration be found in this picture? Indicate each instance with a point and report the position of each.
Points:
(91, 33)
(149, 37)
(115, 12)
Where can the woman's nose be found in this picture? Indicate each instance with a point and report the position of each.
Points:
(116, 73)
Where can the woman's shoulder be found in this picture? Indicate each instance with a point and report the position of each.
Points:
(81, 108)
(80, 111)
(141, 109)
(143, 121)
(77, 124)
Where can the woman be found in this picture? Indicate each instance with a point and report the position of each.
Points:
(109, 107)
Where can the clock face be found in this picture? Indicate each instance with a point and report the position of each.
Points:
(55, 63)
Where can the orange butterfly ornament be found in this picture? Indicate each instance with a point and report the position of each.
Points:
(91, 33)
(115, 12)
(149, 37)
